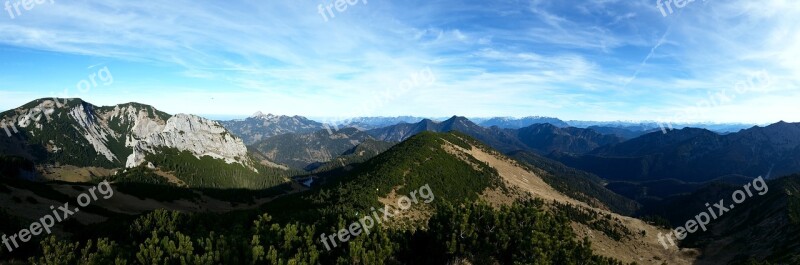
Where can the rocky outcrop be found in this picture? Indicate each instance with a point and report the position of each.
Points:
(115, 136)
(201, 137)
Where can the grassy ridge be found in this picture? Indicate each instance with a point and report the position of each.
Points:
(418, 161)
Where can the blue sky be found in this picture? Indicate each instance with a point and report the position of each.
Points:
(587, 60)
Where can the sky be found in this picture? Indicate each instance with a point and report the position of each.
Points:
(710, 61)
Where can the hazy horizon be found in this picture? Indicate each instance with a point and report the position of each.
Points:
(595, 60)
(325, 119)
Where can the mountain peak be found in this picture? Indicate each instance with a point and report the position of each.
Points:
(458, 118)
(516, 123)
(260, 114)
(257, 114)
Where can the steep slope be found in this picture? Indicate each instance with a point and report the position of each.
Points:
(457, 167)
(305, 151)
(581, 185)
(763, 228)
(190, 133)
(60, 134)
(403, 131)
(613, 235)
(260, 126)
(407, 166)
(502, 235)
(359, 154)
(68, 131)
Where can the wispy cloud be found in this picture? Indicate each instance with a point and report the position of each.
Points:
(593, 59)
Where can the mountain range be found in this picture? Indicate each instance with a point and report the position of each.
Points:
(307, 150)
(515, 123)
(696, 155)
(540, 138)
(603, 192)
(261, 126)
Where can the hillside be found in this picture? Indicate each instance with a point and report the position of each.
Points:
(434, 168)
(187, 163)
(307, 151)
(415, 162)
(763, 228)
(73, 140)
(695, 155)
(457, 168)
(546, 138)
(611, 234)
(583, 186)
(358, 154)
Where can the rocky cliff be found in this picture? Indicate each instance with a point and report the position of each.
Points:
(75, 132)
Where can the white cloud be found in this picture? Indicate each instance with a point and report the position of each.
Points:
(593, 59)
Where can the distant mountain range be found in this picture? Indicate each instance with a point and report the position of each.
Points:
(539, 138)
(261, 126)
(308, 150)
(690, 154)
(648, 126)
(613, 150)
(696, 155)
(516, 123)
(368, 123)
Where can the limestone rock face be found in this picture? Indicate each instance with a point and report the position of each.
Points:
(201, 137)
(72, 131)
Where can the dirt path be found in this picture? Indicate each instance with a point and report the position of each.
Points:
(642, 249)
